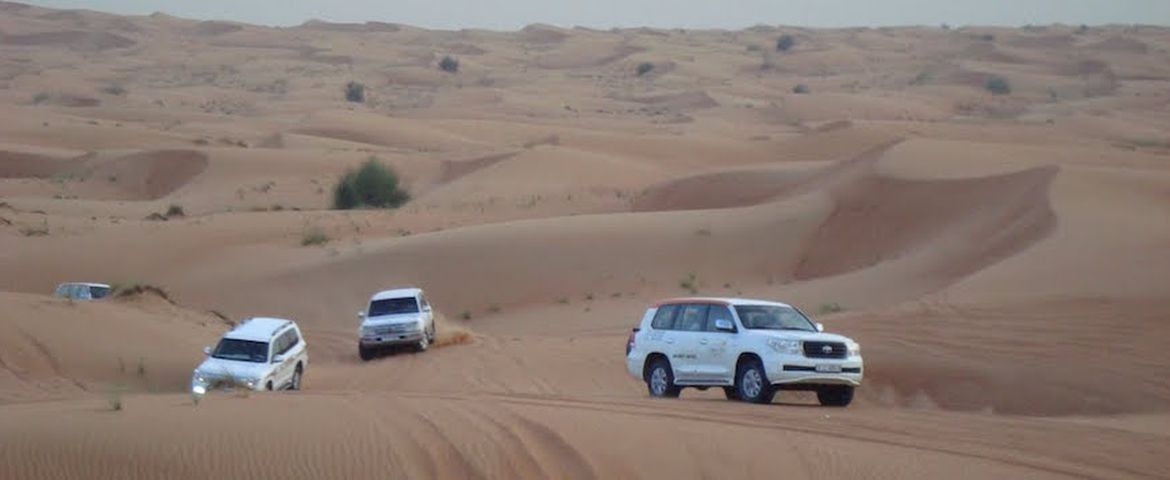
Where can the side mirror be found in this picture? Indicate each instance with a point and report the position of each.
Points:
(724, 325)
(427, 308)
(277, 358)
(207, 351)
(362, 314)
(820, 327)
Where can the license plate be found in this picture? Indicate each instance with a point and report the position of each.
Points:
(828, 368)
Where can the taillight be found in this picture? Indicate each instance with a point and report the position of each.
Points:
(630, 341)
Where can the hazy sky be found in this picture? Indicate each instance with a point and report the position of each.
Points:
(512, 14)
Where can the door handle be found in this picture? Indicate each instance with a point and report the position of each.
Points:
(703, 341)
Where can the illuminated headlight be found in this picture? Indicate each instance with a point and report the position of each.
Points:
(854, 349)
(788, 347)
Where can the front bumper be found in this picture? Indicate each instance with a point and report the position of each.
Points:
(391, 339)
(205, 383)
(798, 371)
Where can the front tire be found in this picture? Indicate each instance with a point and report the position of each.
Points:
(365, 353)
(660, 380)
(835, 396)
(423, 344)
(751, 383)
(732, 394)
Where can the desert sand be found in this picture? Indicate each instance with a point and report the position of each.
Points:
(1004, 260)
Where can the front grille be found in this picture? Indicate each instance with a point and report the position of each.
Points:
(825, 350)
(394, 328)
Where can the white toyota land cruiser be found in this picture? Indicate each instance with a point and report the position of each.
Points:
(259, 354)
(750, 348)
(396, 317)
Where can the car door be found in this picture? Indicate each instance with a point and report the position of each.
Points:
(717, 355)
(281, 374)
(688, 333)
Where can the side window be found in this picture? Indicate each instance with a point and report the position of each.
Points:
(664, 318)
(717, 312)
(293, 339)
(692, 318)
(422, 302)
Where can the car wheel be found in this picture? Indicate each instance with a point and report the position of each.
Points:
(835, 396)
(296, 380)
(731, 393)
(431, 334)
(365, 353)
(268, 386)
(660, 380)
(423, 344)
(752, 383)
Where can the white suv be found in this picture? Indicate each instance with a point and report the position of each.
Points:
(751, 348)
(259, 354)
(396, 317)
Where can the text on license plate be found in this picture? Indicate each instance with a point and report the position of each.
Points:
(829, 368)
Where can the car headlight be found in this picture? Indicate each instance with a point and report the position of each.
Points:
(854, 349)
(789, 347)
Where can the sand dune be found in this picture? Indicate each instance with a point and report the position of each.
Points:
(1003, 259)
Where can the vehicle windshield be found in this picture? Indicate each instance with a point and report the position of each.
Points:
(773, 317)
(241, 350)
(393, 306)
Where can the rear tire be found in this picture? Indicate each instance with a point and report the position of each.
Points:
(660, 380)
(296, 380)
(365, 353)
(732, 394)
(751, 383)
(835, 396)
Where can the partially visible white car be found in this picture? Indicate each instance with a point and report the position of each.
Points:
(259, 354)
(82, 291)
(400, 316)
(750, 348)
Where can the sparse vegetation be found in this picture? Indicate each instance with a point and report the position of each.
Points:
(355, 92)
(998, 86)
(785, 43)
(141, 367)
(314, 237)
(115, 400)
(41, 97)
(466, 315)
(563, 300)
(753, 48)
(372, 185)
(124, 290)
(175, 210)
(644, 68)
(832, 307)
(41, 230)
(449, 64)
(690, 284)
(703, 232)
(493, 308)
(922, 79)
(800, 89)
(588, 297)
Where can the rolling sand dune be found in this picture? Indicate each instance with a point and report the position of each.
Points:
(1003, 259)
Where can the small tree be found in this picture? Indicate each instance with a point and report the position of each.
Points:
(449, 64)
(800, 89)
(998, 86)
(785, 43)
(371, 185)
(644, 68)
(355, 92)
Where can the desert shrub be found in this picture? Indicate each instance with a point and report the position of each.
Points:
(466, 315)
(644, 68)
(998, 86)
(125, 290)
(114, 89)
(41, 230)
(800, 89)
(175, 211)
(41, 97)
(753, 48)
(785, 43)
(831, 307)
(690, 284)
(313, 237)
(355, 92)
(115, 400)
(372, 185)
(449, 64)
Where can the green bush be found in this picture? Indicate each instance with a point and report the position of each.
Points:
(644, 68)
(785, 43)
(449, 64)
(998, 86)
(355, 92)
(800, 89)
(372, 185)
(313, 237)
(175, 210)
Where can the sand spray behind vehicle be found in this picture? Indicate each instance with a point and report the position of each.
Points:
(451, 332)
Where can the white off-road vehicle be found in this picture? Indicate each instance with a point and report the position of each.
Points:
(82, 291)
(259, 354)
(750, 348)
(396, 317)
